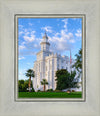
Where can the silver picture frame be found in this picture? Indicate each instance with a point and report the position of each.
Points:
(17, 16)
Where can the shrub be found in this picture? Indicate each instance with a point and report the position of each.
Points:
(57, 90)
(33, 90)
(23, 86)
(73, 90)
(50, 90)
(68, 91)
(38, 90)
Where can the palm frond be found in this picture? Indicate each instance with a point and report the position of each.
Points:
(44, 82)
(29, 73)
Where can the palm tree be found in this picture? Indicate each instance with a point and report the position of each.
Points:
(29, 73)
(44, 82)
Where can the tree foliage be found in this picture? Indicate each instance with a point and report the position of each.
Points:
(29, 73)
(78, 63)
(44, 83)
(65, 79)
(23, 85)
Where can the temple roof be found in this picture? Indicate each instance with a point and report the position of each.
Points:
(45, 39)
(45, 36)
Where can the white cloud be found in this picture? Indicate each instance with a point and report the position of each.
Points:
(42, 34)
(70, 35)
(35, 45)
(30, 24)
(20, 26)
(72, 41)
(20, 33)
(78, 33)
(65, 22)
(32, 32)
(61, 41)
(26, 32)
(21, 47)
(27, 52)
(29, 37)
(28, 63)
(74, 18)
(20, 58)
(23, 42)
(22, 74)
(31, 48)
(66, 35)
(21, 30)
(47, 28)
(56, 34)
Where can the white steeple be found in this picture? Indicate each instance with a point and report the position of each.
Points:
(45, 37)
(45, 44)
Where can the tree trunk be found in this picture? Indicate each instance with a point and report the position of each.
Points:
(30, 84)
(44, 87)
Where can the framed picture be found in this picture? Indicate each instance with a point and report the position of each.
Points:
(50, 51)
(27, 21)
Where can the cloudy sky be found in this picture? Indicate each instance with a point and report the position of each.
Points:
(64, 34)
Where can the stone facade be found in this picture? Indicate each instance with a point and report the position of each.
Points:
(47, 64)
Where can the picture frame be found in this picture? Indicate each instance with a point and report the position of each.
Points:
(83, 41)
(8, 106)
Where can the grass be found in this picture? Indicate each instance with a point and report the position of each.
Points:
(49, 95)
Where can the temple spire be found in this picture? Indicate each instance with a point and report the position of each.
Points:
(45, 33)
(44, 43)
(45, 37)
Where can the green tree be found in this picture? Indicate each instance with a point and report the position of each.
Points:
(44, 83)
(65, 79)
(61, 79)
(26, 83)
(78, 63)
(23, 85)
(72, 80)
(20, 85)
(29, 73)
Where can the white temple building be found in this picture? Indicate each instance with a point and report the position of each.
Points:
(47, 64)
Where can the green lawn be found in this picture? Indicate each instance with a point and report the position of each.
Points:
(49, 95)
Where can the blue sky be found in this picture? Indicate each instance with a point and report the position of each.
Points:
(64, 34)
